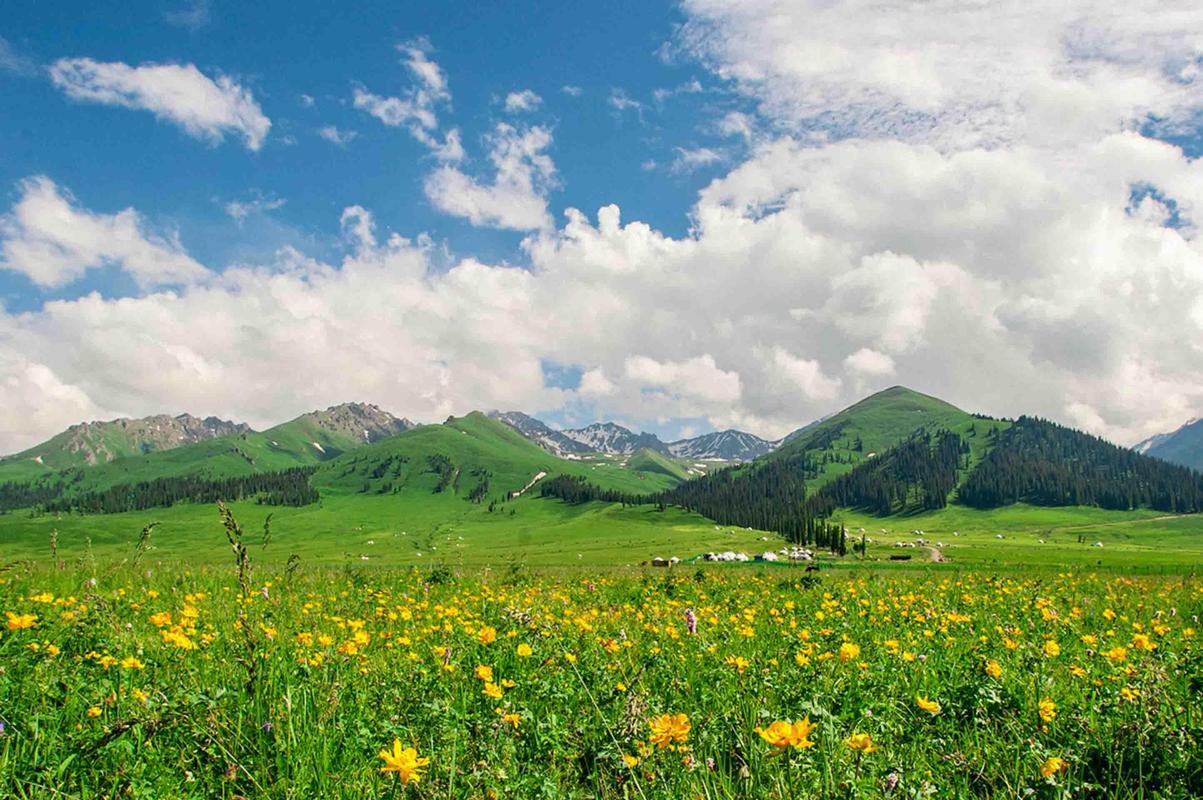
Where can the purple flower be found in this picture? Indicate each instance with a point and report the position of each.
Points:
(691, 620)
(891, 781)
(267, 727)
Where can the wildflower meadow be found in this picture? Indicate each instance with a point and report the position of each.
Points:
(159, 681)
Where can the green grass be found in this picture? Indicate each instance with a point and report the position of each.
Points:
(1033, 535)
(196, 682)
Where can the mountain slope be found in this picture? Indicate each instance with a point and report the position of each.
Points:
(839, 443)
(307, 440)
(1183, 446)
(91, 443)
(540, 433)
(613, 439)
(729, 445)
(472, 457)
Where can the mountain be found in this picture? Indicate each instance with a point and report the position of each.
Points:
(476, 457)
(614, 439)
(730, 445)
(609, 437)
(90, 443)
(901, 452)
(304, 441)
(540, 433)
(1183, 446)
(352, 423)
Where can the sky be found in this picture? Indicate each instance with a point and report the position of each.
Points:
(683, 216)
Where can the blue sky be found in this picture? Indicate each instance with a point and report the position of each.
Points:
(112, 159)
(675, 215)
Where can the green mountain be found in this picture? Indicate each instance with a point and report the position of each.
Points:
(308, 440)
(1183, 446)
(843, 441)
(478, 458)
(92, 443)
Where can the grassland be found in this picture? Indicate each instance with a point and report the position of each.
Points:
(188, 682)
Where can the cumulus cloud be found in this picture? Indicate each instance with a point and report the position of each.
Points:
(178, 93)
(51, 240)
(516, 199)
(525, 100)
(988, 217)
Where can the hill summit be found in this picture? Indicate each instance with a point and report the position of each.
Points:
(99, 442)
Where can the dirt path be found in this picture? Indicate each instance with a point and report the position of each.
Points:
(937, 556)
(538, 477)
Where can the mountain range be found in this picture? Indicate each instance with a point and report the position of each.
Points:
(895, 452)
(612, 438)
(1183, 446)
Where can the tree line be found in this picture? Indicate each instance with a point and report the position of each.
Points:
(1039, 462)
(289, 487)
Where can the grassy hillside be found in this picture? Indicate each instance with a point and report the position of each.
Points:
(843, 441)
(649, 461)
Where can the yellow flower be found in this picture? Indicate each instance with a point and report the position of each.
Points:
(484, 673)
(1129, 694)
(94, 711)
(1052, 649)
(524, 650)
(630, 761)
(129, 662)
(404, 762)
(1117, 654)
(1052, 765)
(849, 651)
(1048, 710)
(512, 719)
(668, 728)
(1141, 641)
(18, 622)
(492, 690)
(801, 659)
(486, 635)
(862, 743)
(930, 706)
(993, 669)
(739, 663)
(782, 734)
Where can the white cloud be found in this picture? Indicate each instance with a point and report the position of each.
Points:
(806, 374)
(179, 93)
(572, 90)
(14, 62)
(955, 74)
(306, 100)
(695, 380)
(525, 100)
(737, 123)
(950, 212)
(689, 159)
(415, 111)
(54, 242)
(516, 199)
(621, 101)
(869, 362)
(192, 15)
(337, 136)
(239, 210)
